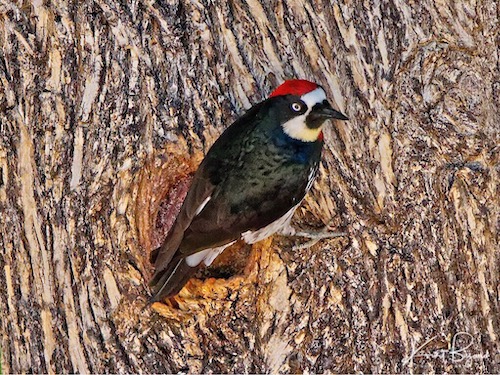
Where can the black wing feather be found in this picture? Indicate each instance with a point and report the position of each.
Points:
(204, 184)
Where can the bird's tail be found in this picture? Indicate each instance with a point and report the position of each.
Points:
(169, 281)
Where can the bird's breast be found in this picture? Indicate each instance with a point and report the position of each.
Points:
(295, 150)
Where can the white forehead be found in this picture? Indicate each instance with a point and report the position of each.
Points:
(314, 97)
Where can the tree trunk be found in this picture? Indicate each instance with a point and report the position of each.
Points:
(106, 109)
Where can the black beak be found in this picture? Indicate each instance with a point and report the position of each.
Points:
(321, 112)
(325, 111)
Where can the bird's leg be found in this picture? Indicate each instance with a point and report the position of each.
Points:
(319, 235)
(313, 236)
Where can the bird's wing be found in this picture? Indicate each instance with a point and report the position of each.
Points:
(203, 187)
(197, 197)
(250, 198)
(224, 220)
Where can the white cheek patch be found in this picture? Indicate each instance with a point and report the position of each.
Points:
(297, 127)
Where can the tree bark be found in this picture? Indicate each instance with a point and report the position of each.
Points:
(106, 109)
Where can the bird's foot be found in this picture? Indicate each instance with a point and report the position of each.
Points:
(314, 237)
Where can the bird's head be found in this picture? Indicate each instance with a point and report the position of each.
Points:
(304, 109)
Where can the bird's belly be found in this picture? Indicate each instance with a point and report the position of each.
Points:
(280, 225)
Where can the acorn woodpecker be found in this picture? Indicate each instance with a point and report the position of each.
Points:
(249, 183)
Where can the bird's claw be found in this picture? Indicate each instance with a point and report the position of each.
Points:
(315, 237)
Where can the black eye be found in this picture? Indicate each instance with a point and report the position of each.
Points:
(296, 107)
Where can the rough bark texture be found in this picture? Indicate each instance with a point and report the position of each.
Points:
(106, 107)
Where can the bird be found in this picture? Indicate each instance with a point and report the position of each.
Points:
(248, 185)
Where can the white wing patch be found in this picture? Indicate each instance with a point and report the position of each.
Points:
(297, 127)
(281, 225)
(207, 256)
(202, 206)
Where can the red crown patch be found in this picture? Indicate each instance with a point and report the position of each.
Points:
(297, 87)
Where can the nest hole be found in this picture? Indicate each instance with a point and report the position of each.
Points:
(163, 187)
